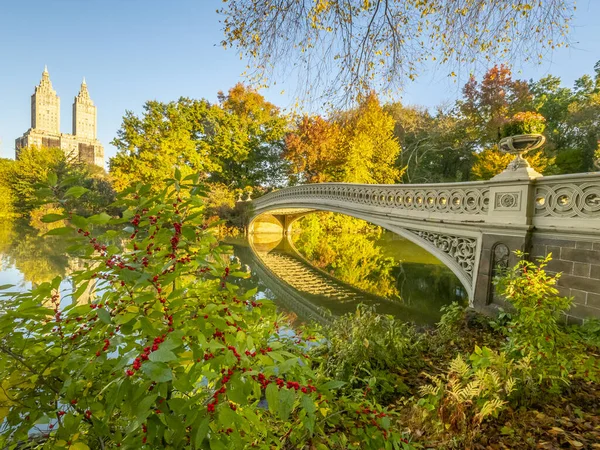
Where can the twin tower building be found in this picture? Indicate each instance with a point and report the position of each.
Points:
(82, 145)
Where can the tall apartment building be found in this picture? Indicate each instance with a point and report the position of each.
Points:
(45, 124)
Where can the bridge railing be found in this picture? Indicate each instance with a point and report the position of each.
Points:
(452, 198)
(547, 202)
(567, 201)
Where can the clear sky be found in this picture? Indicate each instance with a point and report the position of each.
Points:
(131, 51)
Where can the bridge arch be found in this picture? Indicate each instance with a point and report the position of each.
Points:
(461, 223)
(459, 252)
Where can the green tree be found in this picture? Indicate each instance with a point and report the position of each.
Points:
(435, 147)
(249, 136)
(31, 168)
(165, 137)
(35, 164)
(237, 142)
(573, 127)
(7, 200)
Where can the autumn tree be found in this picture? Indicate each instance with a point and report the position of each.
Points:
(345, 48)
(369, 146)
(314, 150)
(353, 146)
(487, 104)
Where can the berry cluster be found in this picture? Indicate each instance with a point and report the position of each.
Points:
(144, 356)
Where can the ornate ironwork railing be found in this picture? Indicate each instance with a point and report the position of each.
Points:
(452, 198)
(571, 196)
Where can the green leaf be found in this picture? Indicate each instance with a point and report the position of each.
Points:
(99, 219)
(76, 191)
(162, 355)
(286, 402)
(308, 404)
(52, 179)
(143, 407)
(157, 371)
(250, 293)
(333, 384)
(49, 218)
(59, 231)
(201, 432)
(6, 286)
(104, 315)
(272, 393)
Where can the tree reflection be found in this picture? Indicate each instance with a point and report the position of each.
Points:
(38, 258)
(348, 249)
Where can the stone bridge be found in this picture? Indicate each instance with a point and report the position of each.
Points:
(472, 227)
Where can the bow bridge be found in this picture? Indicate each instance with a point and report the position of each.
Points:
(472, 227)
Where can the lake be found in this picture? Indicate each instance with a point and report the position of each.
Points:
(308, 278)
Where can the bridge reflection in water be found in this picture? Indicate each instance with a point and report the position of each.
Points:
(312, 294)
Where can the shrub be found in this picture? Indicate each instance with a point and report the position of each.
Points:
(452, 320)
(534, 331)
(370, 351)
(524, 123)
(155, 347)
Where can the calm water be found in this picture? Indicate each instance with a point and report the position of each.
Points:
(311, 279)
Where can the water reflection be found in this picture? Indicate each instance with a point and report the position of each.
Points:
(335, 262)
(327, 268)
(27, 258)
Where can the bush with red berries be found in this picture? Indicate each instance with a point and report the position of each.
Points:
(156, 347)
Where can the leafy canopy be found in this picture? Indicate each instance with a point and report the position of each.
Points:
(346, 48)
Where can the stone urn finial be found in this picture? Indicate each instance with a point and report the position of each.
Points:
(521, 134)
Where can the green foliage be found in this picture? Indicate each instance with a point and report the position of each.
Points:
(435, 146)
(34, 166)
(155, 347)
(370, 351)
(31, 169)
(537, 359)
(7, 200)
(524, 123)
(452, 320)
(534, 332)
(589, 332)
(238, 141)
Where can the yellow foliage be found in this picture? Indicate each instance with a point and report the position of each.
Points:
(492, 161)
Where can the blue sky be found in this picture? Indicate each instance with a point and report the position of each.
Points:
(131, 51)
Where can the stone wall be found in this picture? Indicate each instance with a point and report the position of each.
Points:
(496, 250)
(579, 261)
